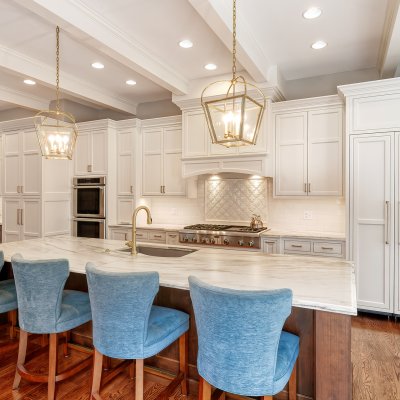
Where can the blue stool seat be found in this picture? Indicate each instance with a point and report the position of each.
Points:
(288, 351)
(126, 324)
(46, 308)
(75, 310)
(242, 348)
(8, 296)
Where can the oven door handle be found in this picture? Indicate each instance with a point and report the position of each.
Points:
(89, 219)
(89, 187)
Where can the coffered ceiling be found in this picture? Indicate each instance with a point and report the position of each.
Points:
(138, 40)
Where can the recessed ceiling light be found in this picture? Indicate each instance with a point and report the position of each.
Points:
(98, 65)
(311, 13)
(186, 44)
(210, 67)
(131, 82)
(29, 82)
(320, 44)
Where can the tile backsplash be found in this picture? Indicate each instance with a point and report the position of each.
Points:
(235, 200)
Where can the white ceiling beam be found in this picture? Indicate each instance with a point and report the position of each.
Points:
(218, 15)
(43, 73)
(389, 53)
(94, 29)
(22, 99)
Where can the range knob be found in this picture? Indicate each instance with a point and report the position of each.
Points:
(212, 241)
(194, 240)
(240, 243)
(251, 243)
(204, 240)
(226, 241)
(185, 239)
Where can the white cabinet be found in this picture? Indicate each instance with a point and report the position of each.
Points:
(270, 245)
(308, 151)
(172, 237)
(22, 163)
(91, 150)
(21, 219)
(372, 218)
(162, 153)
(125, 162)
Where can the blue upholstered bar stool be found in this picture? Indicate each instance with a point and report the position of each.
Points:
(126, 325)
(45, 308)
(242, 348)
(8, 300)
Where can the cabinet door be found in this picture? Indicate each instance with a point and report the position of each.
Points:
(291, 154)
(12, 164)
(174, 184)
(325, 152)
(98, 150)
(81, 154)
(371, 211)
(270, 246)
(152, 162)
(121, 234)
(195, 134)
(125, 166)
(31, 177)
(261, 144)
(31, 218)
(396, 221)
(11, 227)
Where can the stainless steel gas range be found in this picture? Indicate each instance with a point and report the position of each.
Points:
(222, 235)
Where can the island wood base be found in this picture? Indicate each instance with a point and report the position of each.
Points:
(324, 366)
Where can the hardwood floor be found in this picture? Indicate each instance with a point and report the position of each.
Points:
(375, 357)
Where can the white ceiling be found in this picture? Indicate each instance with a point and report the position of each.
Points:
(138, 40)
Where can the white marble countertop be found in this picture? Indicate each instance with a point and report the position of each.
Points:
(317, 283)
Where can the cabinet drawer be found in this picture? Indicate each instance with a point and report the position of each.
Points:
(157, 237)
(298, 246)
(142, 235)
(328, 248)
(172, 238)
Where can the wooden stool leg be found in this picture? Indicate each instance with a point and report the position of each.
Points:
(97, 370)
(44, 340)
(293, 384)
(65, 345)
(139, 380)
(204, 389)
(23, 342)
(183, 361)
(12, 316)
(51, 388)
(107, 363)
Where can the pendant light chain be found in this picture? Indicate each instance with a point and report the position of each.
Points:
(58, 68)
(234, 42)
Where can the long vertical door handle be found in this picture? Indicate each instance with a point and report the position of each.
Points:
(22, 217)
(305, 187)
(131, 188)
(387, 222)
(17, 216)
(309, 188)
(160, 189)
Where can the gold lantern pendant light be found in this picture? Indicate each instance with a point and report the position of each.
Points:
(56, 130)
(234, 118)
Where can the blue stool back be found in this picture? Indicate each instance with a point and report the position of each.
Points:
(39, 287)
(239, 334)
(121, 305)
(1, 260)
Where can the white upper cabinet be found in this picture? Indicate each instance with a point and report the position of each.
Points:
(125, 163)
(22, 163)
(90, 153)
(308, 149)
(161, 158)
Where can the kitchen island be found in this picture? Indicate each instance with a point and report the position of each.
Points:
(323, 298)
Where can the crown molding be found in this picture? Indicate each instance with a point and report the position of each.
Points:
(128, 123)
(382, 86)
(21, 123)
(175, 119)
(309, 103)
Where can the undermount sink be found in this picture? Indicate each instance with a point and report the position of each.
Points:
(160, 251)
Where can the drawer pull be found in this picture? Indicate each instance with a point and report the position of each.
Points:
(172, 236)
(269, 242)
(158, 236)
(297, 245)
(139, 234)
(326, 248)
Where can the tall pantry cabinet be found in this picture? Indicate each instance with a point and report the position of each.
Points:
(36, 192)
(373, 192)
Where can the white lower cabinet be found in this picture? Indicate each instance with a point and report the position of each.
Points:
(22, 219)
(374, 219)
(270, 246)
(172, 238)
